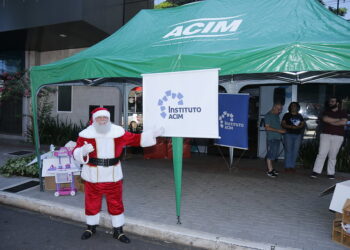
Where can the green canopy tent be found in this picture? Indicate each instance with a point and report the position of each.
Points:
(240, 37)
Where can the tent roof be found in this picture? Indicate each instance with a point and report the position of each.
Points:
(240, 37)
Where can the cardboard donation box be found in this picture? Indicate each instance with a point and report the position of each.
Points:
(50, 184)
(346, 212)
(61, 172)
(340, 195)
(341, 226)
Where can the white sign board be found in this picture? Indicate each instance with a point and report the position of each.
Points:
(184, 103)
(52, 166)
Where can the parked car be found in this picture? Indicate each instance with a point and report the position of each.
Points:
(311, 122)
(310, 113)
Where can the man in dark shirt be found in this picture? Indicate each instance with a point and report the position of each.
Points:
(331, 138)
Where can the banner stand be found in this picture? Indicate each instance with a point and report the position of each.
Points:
(171, 100)
(177, 163)
(232, 150)
(233, 123)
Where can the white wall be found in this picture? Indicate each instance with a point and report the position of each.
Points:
(82, 96)
(55, 55)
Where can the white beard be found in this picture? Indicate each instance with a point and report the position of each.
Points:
(102, 129)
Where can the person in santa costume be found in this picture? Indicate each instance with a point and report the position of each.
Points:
(98, 148)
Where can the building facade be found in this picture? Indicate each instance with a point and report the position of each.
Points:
(38, 32)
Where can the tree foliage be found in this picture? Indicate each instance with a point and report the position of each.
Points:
(164, 5)
(173, 3)
(342, 11)
(181, 2)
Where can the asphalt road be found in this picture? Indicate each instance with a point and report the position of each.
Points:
(21, 229)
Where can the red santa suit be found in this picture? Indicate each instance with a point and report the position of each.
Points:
(106, 180)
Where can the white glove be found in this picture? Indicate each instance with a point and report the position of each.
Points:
(158, 132)
(86, 149)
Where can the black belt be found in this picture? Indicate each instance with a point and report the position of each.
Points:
(104, 162)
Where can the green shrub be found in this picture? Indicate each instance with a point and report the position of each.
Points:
(308, 152)
(17, 166)
(343, 158)
(57, 132)
(51, 129)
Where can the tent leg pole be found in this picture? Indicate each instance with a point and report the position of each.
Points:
(177, 162)
(178, 220)
(231, 156)
(36, 137)
(125, 108)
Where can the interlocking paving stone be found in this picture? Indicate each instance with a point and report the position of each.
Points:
(242, 203)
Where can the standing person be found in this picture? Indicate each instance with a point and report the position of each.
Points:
(273, 136)
(98, 148)
(332, 135)
(294, 124)
(134, 128)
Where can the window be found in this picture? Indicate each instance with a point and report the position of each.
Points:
(11, 61)
(64, 96)
(111, 111)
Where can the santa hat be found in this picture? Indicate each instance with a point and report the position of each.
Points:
(98, 112)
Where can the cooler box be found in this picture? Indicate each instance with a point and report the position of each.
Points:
(158, 151)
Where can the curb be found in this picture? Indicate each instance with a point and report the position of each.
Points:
(175, 234)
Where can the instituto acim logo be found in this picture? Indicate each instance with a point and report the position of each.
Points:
(226, 121)
(172, 106)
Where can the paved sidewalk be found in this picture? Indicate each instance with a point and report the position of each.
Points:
(221, 209)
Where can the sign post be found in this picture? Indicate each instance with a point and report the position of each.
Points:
(186, 104)
(177, 162)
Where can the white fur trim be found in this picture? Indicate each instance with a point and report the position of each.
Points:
(93, 219)
(118, 220)
(147, 139)
(105, 148)
(90, 132)
(101, 113)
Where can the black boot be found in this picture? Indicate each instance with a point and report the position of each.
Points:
(119, 235)
(88, 232)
